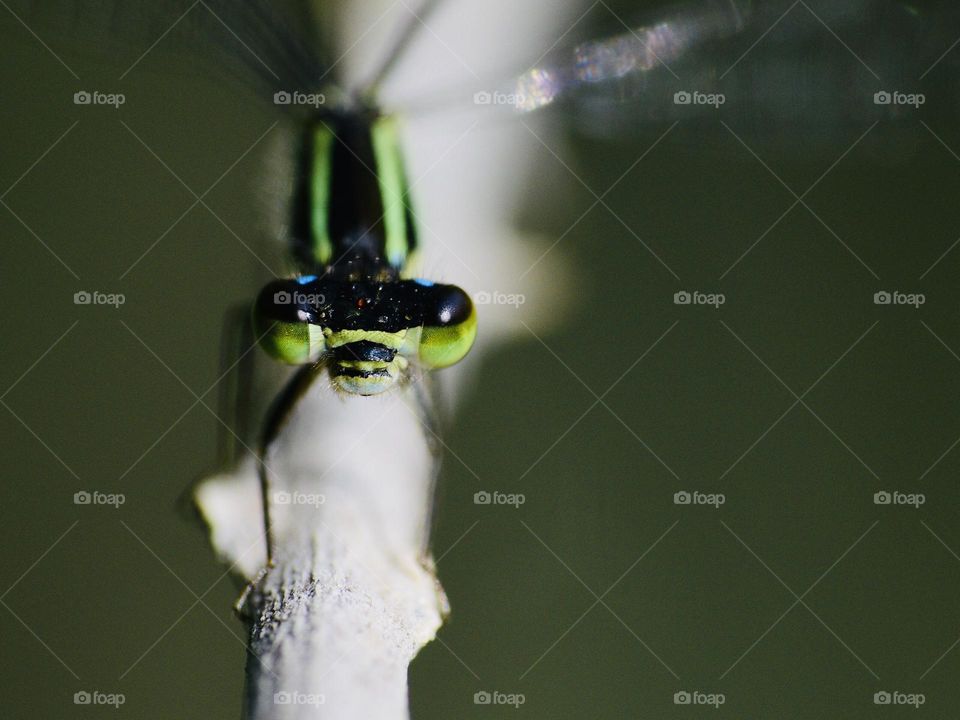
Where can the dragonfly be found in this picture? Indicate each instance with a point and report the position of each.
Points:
(353, 310)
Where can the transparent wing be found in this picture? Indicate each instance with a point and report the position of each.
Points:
(648, 49)
(266, 45)
(777, 64)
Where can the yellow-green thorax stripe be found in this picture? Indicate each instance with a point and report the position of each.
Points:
(393, 189)
(320, 193)
(357, 196)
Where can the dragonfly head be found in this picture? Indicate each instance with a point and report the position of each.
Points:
(368, 333)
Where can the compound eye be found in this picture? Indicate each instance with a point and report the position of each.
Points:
(449, 328)
(282, 330)
(451, 306)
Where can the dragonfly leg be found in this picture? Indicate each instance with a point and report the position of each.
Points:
(237, 361)
(428, 412)
(279, 411)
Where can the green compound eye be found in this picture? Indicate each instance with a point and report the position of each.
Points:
(281, 329)
(449, 329)
(291, 343)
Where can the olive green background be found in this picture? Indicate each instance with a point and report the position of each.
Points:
(599, 597)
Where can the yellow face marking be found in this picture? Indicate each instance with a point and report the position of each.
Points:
(373, 385)
(363, 365)
(335, 339)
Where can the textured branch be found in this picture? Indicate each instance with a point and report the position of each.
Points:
(351, 598)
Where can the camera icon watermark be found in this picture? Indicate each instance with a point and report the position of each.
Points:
(685, 497)
(95, 97)
(895, 697)
(95, 297)
(486, 97)
(495, 697)
(695, 297)
(695, 97)
(114, 500)
(499, 298)
(283, 297)
(95, 697)
(914, 300)
(897, 98)
(695, 697)
(297, 98)
(895, 497)
(485, 497)
(298, 698)
(299, 498)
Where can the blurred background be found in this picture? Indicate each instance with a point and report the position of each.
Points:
(735, 450)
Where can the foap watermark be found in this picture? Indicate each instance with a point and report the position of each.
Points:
(85, 497)
(886, 97)
(695, 697)
(914, 500)
(298, 698)
(485, 97)
(685, 297)
(498, 498)
(314, 100)
(84, 297)
(299, 498)
(95, 697)
(685, 97)
(95, 97)
(500, 298)
(714, 500)
(895, 697)
(495, 697)
(298, 298)
(914, 300)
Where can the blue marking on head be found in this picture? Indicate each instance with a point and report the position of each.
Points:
(425, 283)
(306, 279)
